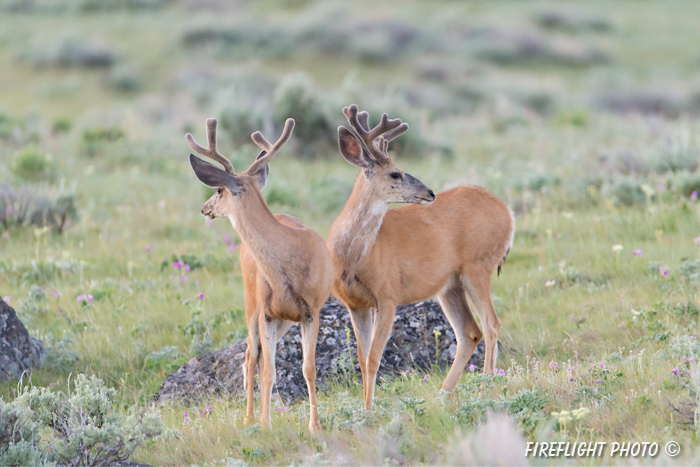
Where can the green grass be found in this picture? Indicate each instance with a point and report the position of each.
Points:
(568, 301)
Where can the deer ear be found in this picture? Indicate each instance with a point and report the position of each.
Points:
(213, 176)
(261, 175)
(351, 149)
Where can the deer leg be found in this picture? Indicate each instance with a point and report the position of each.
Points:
(453, 302)
(362, 326)
(309, 335)
(381, 329)
(268, 341)
(479, 290)
(252, 357)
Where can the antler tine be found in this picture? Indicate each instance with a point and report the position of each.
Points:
(385, 125)
(363, 118)
(386, 131)
(210, 151)
(270, 150)
(396, 132)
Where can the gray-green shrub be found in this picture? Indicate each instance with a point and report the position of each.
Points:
(34, 165)
(80, 427)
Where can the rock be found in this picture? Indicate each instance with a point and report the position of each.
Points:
(18, 350)
(411, 347)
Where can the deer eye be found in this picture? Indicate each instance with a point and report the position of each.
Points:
(219, 190)
(395, 175)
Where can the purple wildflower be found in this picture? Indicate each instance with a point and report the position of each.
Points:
(553, 366)
(187, 268)
(571, 379)
(693, 196)
(183, 279)
(599, 381)
(185, 418)
(149, 248)
(602, 365)
(196, 282)
(227, 239)
(7, 298)
(697, 240)
(502, 372)
(663, 270)
(637, 252)
(471, 367)
(178, 264)
(660, 187)
(232, 246)
(56, 293)
(201, 296)
(675, 371)
(425, 378)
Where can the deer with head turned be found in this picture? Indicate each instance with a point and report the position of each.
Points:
(447, 245)
(287, 269)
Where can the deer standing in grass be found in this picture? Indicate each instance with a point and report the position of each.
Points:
(446, 245)
(287, 269)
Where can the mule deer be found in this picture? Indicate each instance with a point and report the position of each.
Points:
(287, 269)
(449, 247)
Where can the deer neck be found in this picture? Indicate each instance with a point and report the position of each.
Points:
(260, 231)
(358, 225)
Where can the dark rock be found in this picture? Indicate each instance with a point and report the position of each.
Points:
(18, 350)
(411, 347)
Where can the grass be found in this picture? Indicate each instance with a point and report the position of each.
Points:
(574, 309)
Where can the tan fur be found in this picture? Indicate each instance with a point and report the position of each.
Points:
(448, 248)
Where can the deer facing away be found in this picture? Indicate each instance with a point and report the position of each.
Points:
(446, 245)
(287, 269)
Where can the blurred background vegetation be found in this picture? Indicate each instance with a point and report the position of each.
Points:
(583, 116)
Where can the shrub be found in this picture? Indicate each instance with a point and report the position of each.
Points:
(9, 125)
(625, 191)
(124, 79)
(241, 113)
(61, 125)
(381, 42)
(329, 193)
(55, 210)
(95, 140)
(641, 101)
(295, 97)
(676, 155)
(243, 39)
(33, 165)
(569, 22)
(523, 48)
(688, 184)
(56, 213)
(107, 5)
(573, 117)
(78, 428)
(71, 52)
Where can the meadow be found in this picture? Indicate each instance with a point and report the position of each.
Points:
(583, 117)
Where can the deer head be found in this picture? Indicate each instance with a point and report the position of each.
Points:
(367, 149)
(233, 188)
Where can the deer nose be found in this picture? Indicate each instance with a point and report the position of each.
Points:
(431, 193)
